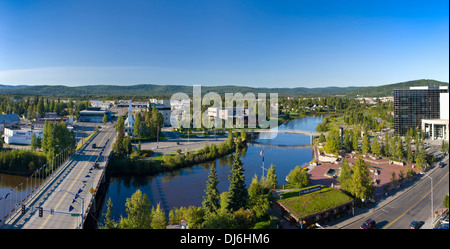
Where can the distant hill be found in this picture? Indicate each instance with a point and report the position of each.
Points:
(388, 90)
(11, 87)
(168, 90)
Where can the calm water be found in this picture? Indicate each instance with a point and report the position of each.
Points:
(185, 187)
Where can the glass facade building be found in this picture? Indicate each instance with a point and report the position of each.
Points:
(413, 105)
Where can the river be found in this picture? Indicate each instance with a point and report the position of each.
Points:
(186, 187)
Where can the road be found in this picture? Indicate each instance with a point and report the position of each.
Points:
(413, 204)
(76, 176)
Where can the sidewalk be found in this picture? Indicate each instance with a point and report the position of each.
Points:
(363, 213)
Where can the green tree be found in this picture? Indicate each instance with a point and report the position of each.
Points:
(224, 201)
(298, 177)
(211, 200)
(365, 147)
(399, 149)
(376, 149)
(333, 142)
(120, 124)
(238, 194)
(271, 179)
(105, 118)
(158, 218)
(362, 186)
(444, 147)
(355, 137)
(138, 212)
(345, 176)
(33, 142)
(255, 188)
(446, 201)
(137, 126)
(109, 221)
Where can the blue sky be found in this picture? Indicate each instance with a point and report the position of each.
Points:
(259, 43)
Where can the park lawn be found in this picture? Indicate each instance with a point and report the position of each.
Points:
(313, 203)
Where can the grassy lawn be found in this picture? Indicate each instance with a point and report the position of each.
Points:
(312, 203)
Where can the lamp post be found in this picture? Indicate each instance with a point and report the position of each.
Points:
(82, 204)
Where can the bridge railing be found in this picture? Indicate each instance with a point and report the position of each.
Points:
(12, 201)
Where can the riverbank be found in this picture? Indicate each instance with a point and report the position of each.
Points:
(21, 162)
(172, 161)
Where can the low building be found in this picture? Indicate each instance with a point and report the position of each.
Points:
(21, 136)
(134, 105)
(94, 116)
(103, 105)
(311, 205)
(9, 121)
(163, 106)
(232, 114)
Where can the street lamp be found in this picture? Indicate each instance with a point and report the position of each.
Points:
(82, 204)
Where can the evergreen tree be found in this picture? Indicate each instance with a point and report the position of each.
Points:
(271, 180)
(345, 176)
(365, 147)
(399, 149)
(238, 194)
(376, 149)
(211, 200)
(333, 142)
(33, 142)
(137, 126)
(158, 218)
(255, 188)
(362, 186)
(109, 221)
(355, 137)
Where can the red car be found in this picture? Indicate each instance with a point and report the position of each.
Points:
(369, 224)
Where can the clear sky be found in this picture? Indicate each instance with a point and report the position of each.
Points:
(303, 43)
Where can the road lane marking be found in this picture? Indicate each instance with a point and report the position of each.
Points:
(415, 203)
(76, 179)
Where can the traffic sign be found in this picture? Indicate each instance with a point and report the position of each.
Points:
(75, 215)
(92, 191)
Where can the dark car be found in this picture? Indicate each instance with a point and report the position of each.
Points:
(369, 224)
(94, 145)
(441, 164)
(415, 225)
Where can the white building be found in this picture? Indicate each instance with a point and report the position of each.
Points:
(439, 128)
(164, 107)
(22, 136)
(129, 122)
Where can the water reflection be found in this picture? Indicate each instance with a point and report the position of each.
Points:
(186, 187)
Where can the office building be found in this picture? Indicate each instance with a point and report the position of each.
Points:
(416, 105)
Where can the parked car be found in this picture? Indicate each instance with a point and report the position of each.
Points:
(369, 224)
(415, 225)
(94, 145)
(441, 164)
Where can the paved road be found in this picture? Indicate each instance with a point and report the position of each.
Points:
(413, 204)
(76, 176)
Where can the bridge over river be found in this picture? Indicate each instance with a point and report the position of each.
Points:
(65, 198)
(301, 132)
